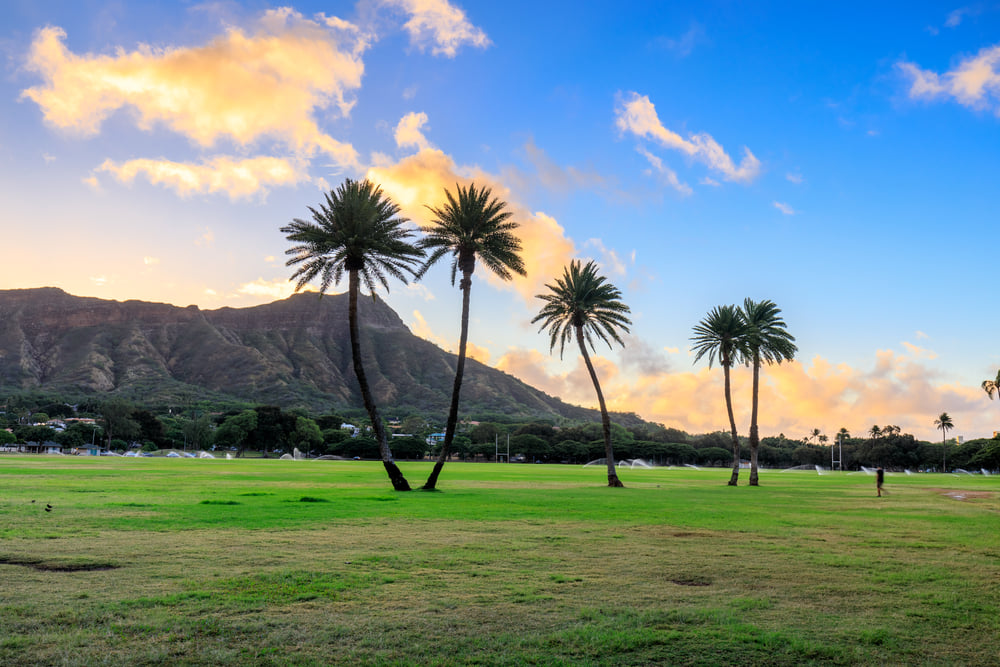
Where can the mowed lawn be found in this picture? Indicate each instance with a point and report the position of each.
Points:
(167, 561)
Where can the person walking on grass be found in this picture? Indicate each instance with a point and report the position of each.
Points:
(879, 481)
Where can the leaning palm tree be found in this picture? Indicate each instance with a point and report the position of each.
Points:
(582, 304)
(766, 341)
(990, 386)
(357, 231)
(944, 423)
(721, 335)
(476, 224)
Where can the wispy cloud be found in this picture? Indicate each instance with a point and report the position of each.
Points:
(794, 177)
(636, 114)
(668, 175)
(439, 25)
(235, 178)
(685, 44)
(974, 82)
(280, 288)
(784, 208)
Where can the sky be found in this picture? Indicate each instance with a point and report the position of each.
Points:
(839, 160)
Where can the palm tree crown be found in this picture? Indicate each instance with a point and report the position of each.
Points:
(582, 299)
(470, 227)
(944, 423)
(766, 337)
(720, 334)
(358, 228)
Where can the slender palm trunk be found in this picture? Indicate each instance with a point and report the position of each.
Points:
(399, 482)
(449, 431)
(732, 424)
(754, 435)
(609, 452)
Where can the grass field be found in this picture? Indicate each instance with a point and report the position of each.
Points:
(166, 561)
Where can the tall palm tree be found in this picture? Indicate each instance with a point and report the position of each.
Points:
(944, 423)
(582, 304)
(990, 386)
(721, 335)
(767, 341)
(476, 224)
(357, 231)
(875, 432)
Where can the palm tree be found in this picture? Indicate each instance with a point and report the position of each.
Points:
(473, 225)
(944, 423)
(357, 231)
(721, 335)
(766, 341)
(875, 432)
(583, 304)
(990, 386)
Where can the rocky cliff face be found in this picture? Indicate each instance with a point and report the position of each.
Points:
(291, 352)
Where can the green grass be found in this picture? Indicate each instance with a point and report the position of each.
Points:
(152, 561)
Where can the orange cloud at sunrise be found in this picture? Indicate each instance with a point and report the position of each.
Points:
(795, 397)
(418, 181)
(242, 87)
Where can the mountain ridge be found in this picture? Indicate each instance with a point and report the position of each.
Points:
(290, 352)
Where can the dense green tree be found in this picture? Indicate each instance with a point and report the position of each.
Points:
(117, 420)
(722, 334)
(150, 427)
(7, 438)
(235, 429)
(532, 447)
(582, 304)
(474, 225)
(197, 432)
(357, 231)
(711, 456)
(307, 435)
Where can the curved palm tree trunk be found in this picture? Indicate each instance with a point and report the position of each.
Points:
(754, 435)
(399, 482)
(732, 425)
(449, 431)
(609, 453)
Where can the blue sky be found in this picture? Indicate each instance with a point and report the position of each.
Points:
(838, 160)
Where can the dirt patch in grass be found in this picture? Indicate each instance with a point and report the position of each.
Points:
(55, 566)
(964, 494)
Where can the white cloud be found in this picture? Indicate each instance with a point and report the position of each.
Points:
(440, 25)
(784, 208)
(263, 85)
(636, 114)
(281, 288)
(974, 82)
(794, 177)
(408, 132)
(236, 178)
(667, 174)
(150, 261)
